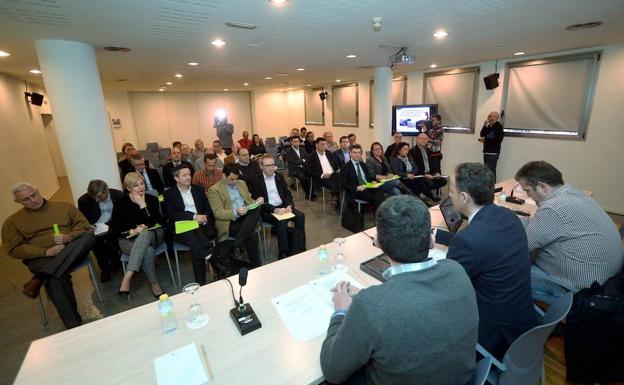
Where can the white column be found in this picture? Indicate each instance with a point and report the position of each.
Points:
(382, 105)
(74, 88)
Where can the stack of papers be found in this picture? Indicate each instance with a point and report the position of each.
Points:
(180, 367)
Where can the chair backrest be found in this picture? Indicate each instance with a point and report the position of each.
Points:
(152, 157)
(525, 357)
(482, 370)
(164, 154)
(153, 147)
(270, 142)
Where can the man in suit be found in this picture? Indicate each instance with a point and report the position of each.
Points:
(295, 158)
(398, 138)
(153, 183)
(341, 156)
(176, 160)
(125, 165)
(491, 136)
(229, 200)
(185, 202)
(97, 206)
(278, 200)
(354, 175)
(493, 250)
(249, 169)
(426, 165)
(321, 167)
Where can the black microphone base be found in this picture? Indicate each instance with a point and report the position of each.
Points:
(246, 320)
(515, 200)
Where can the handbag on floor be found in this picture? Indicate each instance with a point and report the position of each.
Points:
(352, 219)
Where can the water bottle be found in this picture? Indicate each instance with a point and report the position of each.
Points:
(167, 315)
(323, 258)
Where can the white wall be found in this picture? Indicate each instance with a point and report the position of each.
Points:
(25, 153)
(118, 107)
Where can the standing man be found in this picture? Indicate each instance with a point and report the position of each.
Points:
(176, 160)
(321, 168)
(491, 136)
(354, 175)
(153, 184)
(225, 131)
(331, 145)
(341, 156)
(295, 158)
(278, 200)
(398, 138)
(493, 250)
(28, 235)
(574, 241)
(436, 136)
(384, 334)
(245, 142)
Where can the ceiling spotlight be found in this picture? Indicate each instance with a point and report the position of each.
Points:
(168, 83)
(245, 84)
(290, 88)
(433, 66)
(217, 43)
(441, 34)
(226, 89)
(36, 72)
(161, 89)
(519, 53)
(308, 85)
(193, 63)
(300, 69)
(377, 24)
(338, 80)
(4, 54)
(352, 56)
(278, 2)
(268, 78)
(178, 75)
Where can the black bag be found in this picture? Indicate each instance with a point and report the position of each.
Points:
(296, 241)
(352, 219)
(594, 333)
(222, 260)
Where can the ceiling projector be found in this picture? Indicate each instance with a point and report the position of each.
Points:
(401, 57)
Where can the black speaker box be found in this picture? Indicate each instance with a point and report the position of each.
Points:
(323, 95)
(491, 81)
(36, 99)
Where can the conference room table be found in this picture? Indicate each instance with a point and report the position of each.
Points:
(121, 349)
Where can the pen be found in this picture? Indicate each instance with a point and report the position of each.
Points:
(203, 349)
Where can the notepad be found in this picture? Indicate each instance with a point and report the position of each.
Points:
(283, 217)
(185, 226)
(156, 226)
(182, 366)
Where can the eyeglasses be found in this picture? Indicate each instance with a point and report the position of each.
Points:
(269, 165)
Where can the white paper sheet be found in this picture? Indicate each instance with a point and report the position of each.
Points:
(182, 366)
(101, 228)
(437, 254)
(324, 284)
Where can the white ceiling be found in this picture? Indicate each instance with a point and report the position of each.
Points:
(315, 34)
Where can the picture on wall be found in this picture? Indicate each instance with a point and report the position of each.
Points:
(116, 122)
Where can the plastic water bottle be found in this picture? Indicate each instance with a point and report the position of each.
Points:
(167, 315)
(323, 258)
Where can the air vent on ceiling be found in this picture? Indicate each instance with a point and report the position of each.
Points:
(591, 24)
(365, 67)
(238, 24)
(117, 49)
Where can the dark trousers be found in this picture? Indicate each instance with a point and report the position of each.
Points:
(436, 183)
(281, 229)
(200, 242)
(332, 183)
(418, 186)
(490, 162)
(374, 196)
(305, 180)
(243, 230)
(106, 251)
(59, 285)
(435, 161)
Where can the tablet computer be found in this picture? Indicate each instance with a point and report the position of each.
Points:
(451, 216)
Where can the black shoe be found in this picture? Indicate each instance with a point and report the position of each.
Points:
(123, 292)
(105, 276)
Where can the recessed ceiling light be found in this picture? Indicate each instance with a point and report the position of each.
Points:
(217, 43)
(441, 34)
(36, 72)
(268, 78)
(300, 69)
(178, 75)
(226, 89)
(161, 89)
(4, 54)
(433, 65)
(519, 53)
(245, 84)
(290, 88)
(338, 80)
(278, 2)
(193, 63)
(168, 83)
(308, 85)
(351, 56)
(591, 24)
(282, 74)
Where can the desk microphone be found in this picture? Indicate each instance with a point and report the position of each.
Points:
(242, 314)
(513, 199)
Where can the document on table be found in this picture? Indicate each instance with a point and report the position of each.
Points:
(100, 228)
(306, 309)
(283, 217)
(182, 366)
(437, 254)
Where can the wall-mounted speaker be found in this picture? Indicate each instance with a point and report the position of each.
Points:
(491, 81)
(323, 95)
(34, 98)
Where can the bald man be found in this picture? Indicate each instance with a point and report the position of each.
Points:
(491, 136)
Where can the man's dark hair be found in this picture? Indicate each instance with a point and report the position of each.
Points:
(176, 143)
(96, 186)
(355, 147)
(437, 116)
(294, 137)
(303, 128)
(403, 229)
(209, 157)
(341, 138)
(350, 135)
(216, 141)
(136, 158)
(125, 145)
(231, 168)
(319, 139)
(176, 170)
(540, 171)
(477, 181)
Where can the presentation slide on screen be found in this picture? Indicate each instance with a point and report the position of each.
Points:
(411, 119)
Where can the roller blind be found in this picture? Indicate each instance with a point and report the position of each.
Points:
(345, 105)
(314, 113)
(454, 92)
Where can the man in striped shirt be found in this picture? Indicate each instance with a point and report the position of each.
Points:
(575, 243)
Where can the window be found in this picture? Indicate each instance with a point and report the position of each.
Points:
(399, 95)
(455, 93)
(314, 107)
(550, 97)
(345, 105)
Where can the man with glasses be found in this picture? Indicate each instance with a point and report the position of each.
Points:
(153, 183)
(273, 189)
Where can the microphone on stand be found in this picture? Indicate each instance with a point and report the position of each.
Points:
(242, 313)
(513, 199)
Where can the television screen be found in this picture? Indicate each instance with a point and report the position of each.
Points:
(413, 119)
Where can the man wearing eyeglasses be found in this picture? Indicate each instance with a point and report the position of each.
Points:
(273, 188)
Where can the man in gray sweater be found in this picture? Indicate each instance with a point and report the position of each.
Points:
(419, 327)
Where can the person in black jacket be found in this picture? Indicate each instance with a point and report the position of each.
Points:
(179, 208)
(153, 183)
(278, 200)
(249, 169)
(176, 160)
(491, 136)
(321, 167)
(404, 166)
(341, 155)
(427, 166)
(295, 157)
(133, 217)
(398, 138)
(257, 146)
(125, 165)
(309, 142)
(97, 206)
(354, 175)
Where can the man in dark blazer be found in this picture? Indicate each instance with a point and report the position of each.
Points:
(354, 174)
(426, 165)
(494, 251)
(249, 169)
(278, 200)
(185, 202)
(321, 167)
(295, 157)
(97, 206)
(125, 165)
(341, 155)
(176, 160)
(153, 183)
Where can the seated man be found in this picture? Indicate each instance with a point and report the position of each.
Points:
(186, 152)
(341, 156)
(331, 145)
(210, 175)
(352, 139)
(354, 175)
(385, 333)
(218, 150)
(153, 183)
(426, 165)
(185, 202)
(322, 169)
(493, 250)
(125, 165)
(28, 235)
(176, 160)
(245, 142)
(272, 188)
(97, 206)
(229, 200)
(295, 158)
(249, 169)
(574, 241)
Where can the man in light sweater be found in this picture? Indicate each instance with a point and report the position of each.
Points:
(420, 326)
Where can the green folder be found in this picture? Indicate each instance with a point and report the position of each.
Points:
(161, 198)
(156, 226)
(185, 226)
(390, 179)
(254, 205)
(372, 184)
